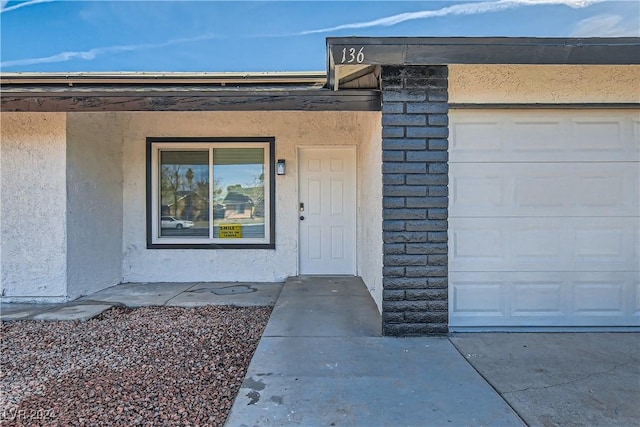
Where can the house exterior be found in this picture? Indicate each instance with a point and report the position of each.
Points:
(238, 206)
(473, 183)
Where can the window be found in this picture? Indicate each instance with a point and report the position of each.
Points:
(210, 193)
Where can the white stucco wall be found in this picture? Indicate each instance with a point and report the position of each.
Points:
(486, 84)
(1, 281)
(370, 211)
(94, 202)
(291, 129)
(33, 203)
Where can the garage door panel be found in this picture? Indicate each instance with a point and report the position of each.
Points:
(546, 136)
(475, 191)
(635, 302)
(543, 244)
(593, 134)
(599, 297)
(495, 299)
(476, 243)
(544, 218)
(534, 136)
(541, 191)
(595, 243)
(479, 298)
(475, 137)
(551, 189)
(538, 298)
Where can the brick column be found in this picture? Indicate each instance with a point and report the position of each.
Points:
(415, 199)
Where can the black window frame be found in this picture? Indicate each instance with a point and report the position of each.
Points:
(271, 244)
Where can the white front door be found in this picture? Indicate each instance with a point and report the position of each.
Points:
(327, 210)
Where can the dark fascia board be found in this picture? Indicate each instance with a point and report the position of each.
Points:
(168, 78)
(283, 100)
(479, 50)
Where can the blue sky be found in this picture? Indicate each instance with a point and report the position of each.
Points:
(217, 36)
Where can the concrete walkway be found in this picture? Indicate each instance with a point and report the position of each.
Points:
(147, 294)
(322, 361)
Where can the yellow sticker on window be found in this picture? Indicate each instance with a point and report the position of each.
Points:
(230, 231)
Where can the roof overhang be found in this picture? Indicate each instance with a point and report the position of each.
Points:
(353, 67)
(189, 99)
(348, 55)
(90, 92)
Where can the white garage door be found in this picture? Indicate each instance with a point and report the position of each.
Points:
(544, 218)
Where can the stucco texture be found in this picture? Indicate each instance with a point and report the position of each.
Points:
(369, 243)
(291, 130)
(541, 84)
(33, 204)
(94, 202)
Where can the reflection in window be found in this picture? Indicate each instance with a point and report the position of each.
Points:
(238, 176)
(184, 193)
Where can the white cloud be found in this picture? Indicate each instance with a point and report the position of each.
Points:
(472, 8)
(571, 3)
(4, 8)
(606, 26)
(91, 54)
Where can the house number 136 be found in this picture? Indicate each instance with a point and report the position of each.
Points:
(351, 55)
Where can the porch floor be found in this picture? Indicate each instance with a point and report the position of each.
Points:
(147, 294)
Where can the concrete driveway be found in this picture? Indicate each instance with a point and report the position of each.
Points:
(561, 379)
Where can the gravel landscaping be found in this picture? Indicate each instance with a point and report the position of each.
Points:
(148, 366)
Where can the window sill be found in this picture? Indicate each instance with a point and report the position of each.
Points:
(211, 246)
